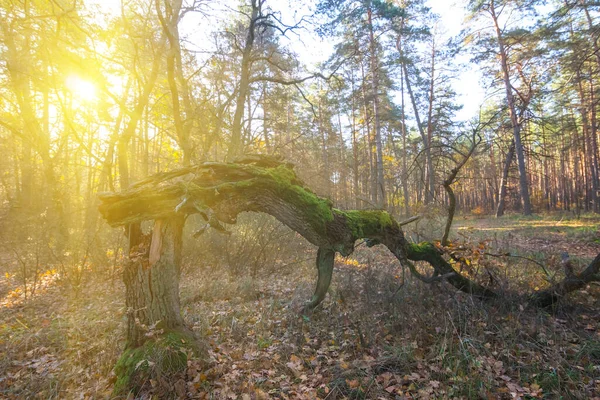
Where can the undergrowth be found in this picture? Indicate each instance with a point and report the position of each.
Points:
(378, 334)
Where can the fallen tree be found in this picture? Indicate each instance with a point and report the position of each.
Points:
(221, 191)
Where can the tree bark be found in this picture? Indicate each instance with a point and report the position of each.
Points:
(504, 180)
(426, 147)
(219, 192)
(134, 118)
(369, 141)
(170, 25)
(552, 295)
(325, 259)
(19, 65)
(381, 200)
(514, 118)
(430, 173)
(404, 149)
(151, 278)
(357, 192)
(236, 144)
(158, 342)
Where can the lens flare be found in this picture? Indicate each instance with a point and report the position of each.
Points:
(82, 90)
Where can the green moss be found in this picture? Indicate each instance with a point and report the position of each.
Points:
(288, 186)
(147, 202)
(420, 251)
(367, 223)
(281, 174)
(166, 356)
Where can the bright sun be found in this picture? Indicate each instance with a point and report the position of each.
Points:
(82, 90)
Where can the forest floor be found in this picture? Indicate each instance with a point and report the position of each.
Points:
(378, 335)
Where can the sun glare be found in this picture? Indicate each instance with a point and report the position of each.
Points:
(82, 90)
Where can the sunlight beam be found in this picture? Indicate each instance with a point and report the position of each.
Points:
(82, 90)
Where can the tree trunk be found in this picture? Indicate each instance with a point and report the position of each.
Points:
(504, 180)
(594, 137)
(265, 119)
(514, 118)
(551, 296)
(325, 260)
(342, 165)
(170, 25)
(593, 152)
(357, 193)
(381, 200)
(258, 184)
(151, 278)
(430, 185)
(326, 174)
(426, 147)
(404, 149)
(20, 73)
(157, 339)
(369, 141)
(430, 173)
(134, 118)
(235, 146)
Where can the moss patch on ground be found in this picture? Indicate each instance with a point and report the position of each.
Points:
(164, 356)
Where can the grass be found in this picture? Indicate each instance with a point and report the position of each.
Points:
(549, 232)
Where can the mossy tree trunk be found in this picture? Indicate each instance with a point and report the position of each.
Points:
(151, 278)
(219, 192)
(158, 342)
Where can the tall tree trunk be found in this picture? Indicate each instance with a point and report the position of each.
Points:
(514, 118)
(427, 148)
(25, 162)
(381, 200)
(504, 180)
(36, 138)
(404, 149)
(132, 125)
(342, 165)
(357, 192)
(170, 24)
(430, 172)
(236, 144)
(324, 154)
(594, 134)
(265, 118)
(593, 151)
(369, 139)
